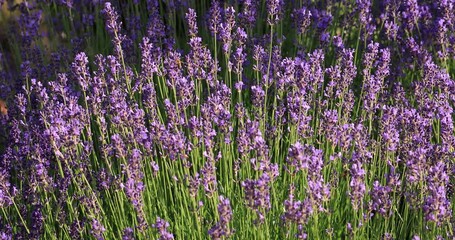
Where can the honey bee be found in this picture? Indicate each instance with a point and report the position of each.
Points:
(3, 108)
(179, 62)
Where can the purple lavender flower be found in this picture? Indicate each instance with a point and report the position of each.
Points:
(193, 184)
(380, 199)
(214, 17)
(387, 236)
(192, 22)
(391, 30)
(298, 110)
(411, 14)
(364, 8)
(112, 24)
(199, 63)
(175, 144)
(208, 173)
(239, 57)
(134, 184)
(248, 13)
(162, 227)
(324, 38)
(444, 115)
(221, 229)
(286, 73)
(156, 29)
(226, 29)
(297, 212)
(251, 139)
(302, 19)
(296, 157)
(316, 72)
(5, 185)
(257, 194)
(97, 229)
(357, 183)
(80, 70)
(150, 59)
(349, 72)
(437, 207)
(260, 56)
(338, 42)
(258, 96)
(172, 66)
(416, 165)
(240, 36)
(274, 11)
(390, 133)
(309, 159)
(37, 220)
(330, 123)
(134, 23)
(128, 234)
(322, 19)
(374, 83)
(217, 109)
(318, 191)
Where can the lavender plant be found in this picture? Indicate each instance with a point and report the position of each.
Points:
(240, 119)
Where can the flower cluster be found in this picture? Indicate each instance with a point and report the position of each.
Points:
(230, 119)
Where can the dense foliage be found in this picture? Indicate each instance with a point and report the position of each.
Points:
(236, 119)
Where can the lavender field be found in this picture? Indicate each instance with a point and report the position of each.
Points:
(235, 119)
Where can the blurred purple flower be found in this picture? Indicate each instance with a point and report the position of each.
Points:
(221, 229)
(97, 229)
(274, 11)
(162, 227)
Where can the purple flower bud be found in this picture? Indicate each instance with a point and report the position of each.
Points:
(214, 17)
(226, 29)
(221, 229)
(437, 206)
(248, 13)
(128, 234)
(380, 199)
(192, 22)
(302, 19)
(97, 230)
(80, 70)
(357, 184)
(112, 24)
(162, 227)
(274, 11)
